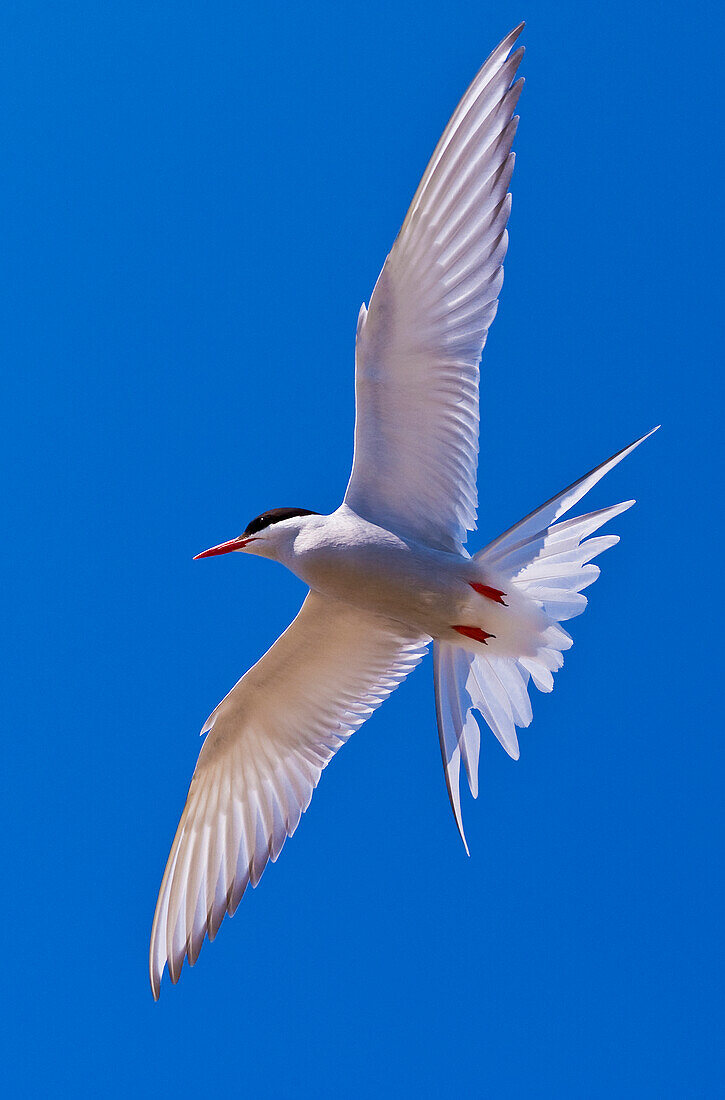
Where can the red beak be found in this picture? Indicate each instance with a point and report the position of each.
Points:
(224, 547)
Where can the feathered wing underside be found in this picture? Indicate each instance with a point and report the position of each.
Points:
(551, 563)
(419, 344)
(267, 743)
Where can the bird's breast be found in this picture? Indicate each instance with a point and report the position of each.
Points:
(381, 573)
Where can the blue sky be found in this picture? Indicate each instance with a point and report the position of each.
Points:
(196, 198)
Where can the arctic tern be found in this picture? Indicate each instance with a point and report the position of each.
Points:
(387, 572)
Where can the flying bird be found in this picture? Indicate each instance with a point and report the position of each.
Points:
(388, 572)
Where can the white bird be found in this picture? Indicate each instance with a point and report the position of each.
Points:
(388, 573)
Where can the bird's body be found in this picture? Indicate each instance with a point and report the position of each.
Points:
(347, 558)
(388, 572)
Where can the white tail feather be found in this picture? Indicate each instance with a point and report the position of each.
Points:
(550, 563)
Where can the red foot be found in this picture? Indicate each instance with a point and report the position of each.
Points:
(494, 594)
(474, 632)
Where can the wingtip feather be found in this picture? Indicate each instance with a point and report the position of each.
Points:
(513, 35)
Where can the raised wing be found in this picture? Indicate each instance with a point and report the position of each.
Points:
(267, 744)
(419, 344)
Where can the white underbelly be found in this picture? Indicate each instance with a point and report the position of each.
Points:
(419, 589)
(428, 590)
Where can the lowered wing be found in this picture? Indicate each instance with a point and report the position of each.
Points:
(267, 743)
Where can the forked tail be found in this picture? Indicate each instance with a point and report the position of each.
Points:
(549, 561)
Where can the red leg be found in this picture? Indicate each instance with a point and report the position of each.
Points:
(494, 594)
(474, 632)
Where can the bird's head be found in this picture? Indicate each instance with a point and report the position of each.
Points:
(267, 535)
